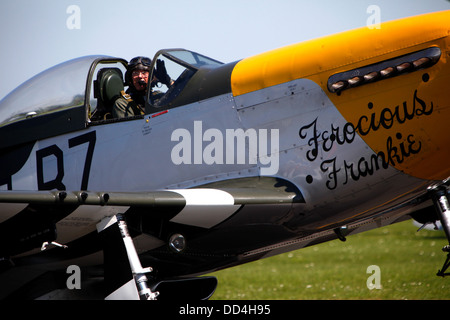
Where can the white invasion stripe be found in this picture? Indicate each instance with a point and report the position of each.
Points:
(8, 210)
(126, 292)
(205, 207)
(83, 221)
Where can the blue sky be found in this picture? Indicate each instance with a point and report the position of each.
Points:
(34, 33)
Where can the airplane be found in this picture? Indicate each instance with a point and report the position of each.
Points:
(234, 162)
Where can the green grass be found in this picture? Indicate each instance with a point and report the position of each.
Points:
(408, 262)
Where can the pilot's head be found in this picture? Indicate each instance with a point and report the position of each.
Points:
(138, 72)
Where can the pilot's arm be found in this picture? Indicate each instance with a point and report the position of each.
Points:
(161, 73)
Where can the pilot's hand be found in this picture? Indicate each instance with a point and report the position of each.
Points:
(161, 73)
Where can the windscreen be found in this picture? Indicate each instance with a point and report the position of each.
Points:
(178, 66)
(194, 59)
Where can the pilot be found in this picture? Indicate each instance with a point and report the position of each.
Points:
(132, 102)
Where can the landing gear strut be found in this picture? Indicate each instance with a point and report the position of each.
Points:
(126, 279)
(119, 246)
(138, 272)
(441, 202)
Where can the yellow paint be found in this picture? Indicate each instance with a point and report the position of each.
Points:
(318, 59)
(336, 52)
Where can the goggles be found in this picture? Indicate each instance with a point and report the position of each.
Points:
(140, 60)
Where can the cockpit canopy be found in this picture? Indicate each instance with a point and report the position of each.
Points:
(80, 92)
(55, 89)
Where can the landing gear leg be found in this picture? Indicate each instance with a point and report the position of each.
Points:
(135, 263)
(110, 227)
(442, 273)
(442, 205)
